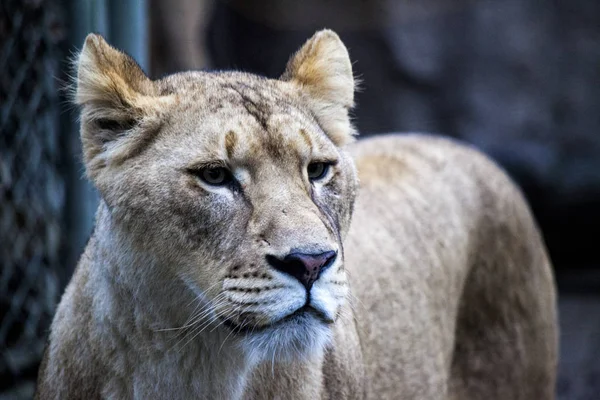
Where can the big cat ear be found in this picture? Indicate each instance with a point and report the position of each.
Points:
(323, 73)
(119, 104)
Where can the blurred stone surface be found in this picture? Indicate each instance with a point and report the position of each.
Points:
(519, 79)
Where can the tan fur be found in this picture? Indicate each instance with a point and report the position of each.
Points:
(323, 72)
(441, 289)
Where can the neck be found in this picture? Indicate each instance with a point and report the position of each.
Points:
(167, 333)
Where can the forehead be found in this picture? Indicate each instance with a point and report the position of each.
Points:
(236, 116)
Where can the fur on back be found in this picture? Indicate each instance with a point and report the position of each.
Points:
(440, 288)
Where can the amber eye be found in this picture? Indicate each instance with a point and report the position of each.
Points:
(218, 176)
(317, 170)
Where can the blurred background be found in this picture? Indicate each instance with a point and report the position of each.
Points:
(519, 79)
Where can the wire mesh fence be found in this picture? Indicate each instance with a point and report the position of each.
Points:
(32, 187)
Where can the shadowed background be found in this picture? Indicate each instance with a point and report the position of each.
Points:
(517, 78)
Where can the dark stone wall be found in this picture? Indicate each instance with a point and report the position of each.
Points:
(520, 79)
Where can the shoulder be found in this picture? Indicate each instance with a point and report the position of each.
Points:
(388, 158)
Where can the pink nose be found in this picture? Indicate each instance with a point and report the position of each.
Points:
(304, 267)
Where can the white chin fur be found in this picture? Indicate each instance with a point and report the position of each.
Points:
(289, 341)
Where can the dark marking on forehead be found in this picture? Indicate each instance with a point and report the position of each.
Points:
(230, 142)
(253, 102)
(215, 104)
(275, 146)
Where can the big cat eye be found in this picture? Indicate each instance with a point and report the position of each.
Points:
(317, 170)
(217, 176)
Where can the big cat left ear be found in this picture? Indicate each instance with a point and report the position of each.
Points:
(120, 106)
(322, 71)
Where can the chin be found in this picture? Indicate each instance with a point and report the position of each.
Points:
(299, 336)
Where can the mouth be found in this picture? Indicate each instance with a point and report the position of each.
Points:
(301, 316)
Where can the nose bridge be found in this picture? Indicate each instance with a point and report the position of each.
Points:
(301, 224)
(287, 218)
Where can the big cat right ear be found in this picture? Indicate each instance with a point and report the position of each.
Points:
(120, 105)
(322, 72)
